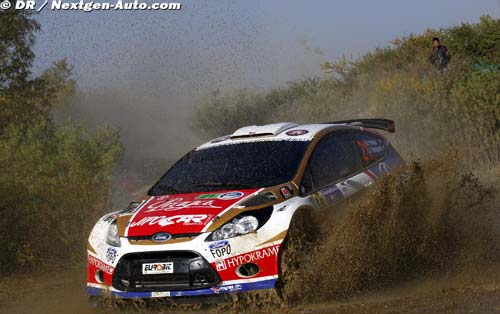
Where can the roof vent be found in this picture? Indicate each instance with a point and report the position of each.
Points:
(263, 130)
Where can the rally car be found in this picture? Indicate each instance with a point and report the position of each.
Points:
(214, 222)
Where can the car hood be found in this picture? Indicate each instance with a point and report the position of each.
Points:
(182, 213)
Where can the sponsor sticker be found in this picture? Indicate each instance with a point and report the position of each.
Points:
(158, 268)
(228, 288)
(111, 255)
(247, 258)
(220, 265)
(100, 265)
(163, 221)
(231, 195)
(220, 249)
(286, 192)
(177, 204)
(222, 196)
(296, 132)
(205, 196)
(160, 294)
(331, 194)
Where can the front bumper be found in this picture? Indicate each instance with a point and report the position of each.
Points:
(192, 272)
(99, 290)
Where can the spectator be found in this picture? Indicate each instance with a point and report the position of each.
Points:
(440, 55)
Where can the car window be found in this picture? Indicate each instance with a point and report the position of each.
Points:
(233, 166)
(335, 157)
(370, 147)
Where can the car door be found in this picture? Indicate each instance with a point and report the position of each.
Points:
(328, 175)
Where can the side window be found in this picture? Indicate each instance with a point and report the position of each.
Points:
(371, 148)
(334, 158)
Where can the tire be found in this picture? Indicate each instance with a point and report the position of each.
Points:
(302, 236)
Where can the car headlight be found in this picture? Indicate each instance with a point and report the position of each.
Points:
(247, 222)
(237, 227)
(113, 238)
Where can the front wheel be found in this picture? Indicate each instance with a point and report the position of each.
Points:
(302, 236)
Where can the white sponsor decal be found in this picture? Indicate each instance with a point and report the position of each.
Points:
(165, 221)
(178, 203)
(220, 265)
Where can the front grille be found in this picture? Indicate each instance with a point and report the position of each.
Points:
(191, 271)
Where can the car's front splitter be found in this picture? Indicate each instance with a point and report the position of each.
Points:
(99, 290)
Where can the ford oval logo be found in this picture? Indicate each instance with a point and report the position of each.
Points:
(161, 237)
(218, 245)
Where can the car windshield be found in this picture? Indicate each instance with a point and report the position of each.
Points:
(233, 166)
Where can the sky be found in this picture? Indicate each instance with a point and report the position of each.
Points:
(143, 71)
(221, 43)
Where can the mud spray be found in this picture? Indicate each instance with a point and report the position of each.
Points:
(426, 220)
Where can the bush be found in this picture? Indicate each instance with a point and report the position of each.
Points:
(53, 186)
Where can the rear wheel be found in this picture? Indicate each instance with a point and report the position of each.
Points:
(303, 235)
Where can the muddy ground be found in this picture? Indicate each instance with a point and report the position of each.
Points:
(473, 292)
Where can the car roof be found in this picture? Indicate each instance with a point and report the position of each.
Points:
(286, 131)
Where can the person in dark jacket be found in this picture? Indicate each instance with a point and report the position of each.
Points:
(440, 55)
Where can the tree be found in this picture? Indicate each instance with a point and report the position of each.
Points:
(24, 98)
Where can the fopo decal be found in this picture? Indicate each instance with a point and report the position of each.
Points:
(220, 249)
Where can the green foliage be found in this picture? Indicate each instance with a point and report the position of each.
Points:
(16, 40)
(434, 112)
(54, 181)
(22, 97)
(54, 178)
(477, 42)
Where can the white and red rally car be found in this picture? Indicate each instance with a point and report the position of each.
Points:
(214, 222)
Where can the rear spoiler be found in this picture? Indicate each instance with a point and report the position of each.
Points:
(380, 124)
